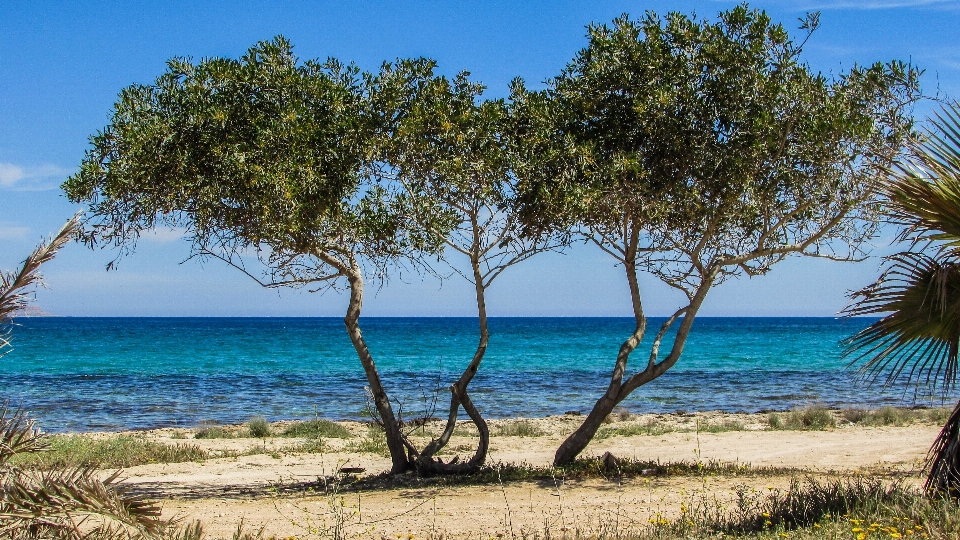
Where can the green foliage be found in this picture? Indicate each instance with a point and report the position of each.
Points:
(314, 429)
(258, 427)
(520, 428)
(264, 152)
(711, 141)
(812, 418)
(67, 451)
(374, 442)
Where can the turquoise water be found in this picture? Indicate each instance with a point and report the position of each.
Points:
(122, 373)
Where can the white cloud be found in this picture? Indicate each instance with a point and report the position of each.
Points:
(9, 232)
(31, 178)
(163, 236)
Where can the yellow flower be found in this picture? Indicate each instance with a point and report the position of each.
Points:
(816, 525)
(861, 536)
(856, 529)
(765, 514)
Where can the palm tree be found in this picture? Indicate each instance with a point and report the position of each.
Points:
(70, 502)
(918, 339)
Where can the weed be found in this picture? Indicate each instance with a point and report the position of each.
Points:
(520, 428)
(317, 429)
(812, 418)
(259, 427)
(726, 425)
(374, 442)
(651, 427)
(112, 452)
(213, 432)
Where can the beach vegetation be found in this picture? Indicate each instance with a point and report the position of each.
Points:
(109, 452)
(373, 442)
(520, 428)
(215, 432)
(259, 428)
(811, 418)
(317, 429)
(699, 151)
(267, 164)
(51, 502)
(918, 292)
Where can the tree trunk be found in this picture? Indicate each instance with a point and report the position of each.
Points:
(398, 455)
(618, 389)
(458, 396)
(943, 459)
(571, 447)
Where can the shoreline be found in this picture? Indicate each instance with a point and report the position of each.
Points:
(276, 482)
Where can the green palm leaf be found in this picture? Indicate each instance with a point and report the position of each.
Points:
(924, 194)
(918, 340)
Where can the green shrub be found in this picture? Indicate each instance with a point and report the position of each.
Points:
(314, 429)
(259, 427)
(374, 442)
(651, 427)
(112, 452)
(519, 428)
(213, 432)
(774, 421)
(854, 416)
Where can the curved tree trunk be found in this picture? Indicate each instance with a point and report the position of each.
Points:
(943, 460)
(395, 442)
(458, 396)
(619, 389)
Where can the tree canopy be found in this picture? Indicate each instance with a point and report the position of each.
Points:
(701, 150)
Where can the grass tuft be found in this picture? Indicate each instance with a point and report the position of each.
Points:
(314, 429)
(520, 428)
(259, 427)
(812, 418)
(113, 452)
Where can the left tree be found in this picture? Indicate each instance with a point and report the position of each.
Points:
(262, 160)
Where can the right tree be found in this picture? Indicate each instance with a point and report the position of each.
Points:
(700, 151)
(919, 290)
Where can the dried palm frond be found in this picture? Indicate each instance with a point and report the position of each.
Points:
(917, 341)
(14, 286)
(943, 459)
(73, 502)
(18, 434)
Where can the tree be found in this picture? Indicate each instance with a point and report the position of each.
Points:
(917, 341)
(452, 150)
(700, 151)
(263, 157)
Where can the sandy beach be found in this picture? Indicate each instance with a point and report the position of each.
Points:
(268, 483)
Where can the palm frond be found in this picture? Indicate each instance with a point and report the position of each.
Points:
(924, 191)
(61, 499)
(15, 286)
(918, 339)
(18, 434)
(943, 459)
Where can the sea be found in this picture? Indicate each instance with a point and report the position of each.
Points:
(82, 374)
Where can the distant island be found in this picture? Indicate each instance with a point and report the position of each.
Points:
(32, 311)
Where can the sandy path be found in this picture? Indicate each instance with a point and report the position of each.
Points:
(254, 488)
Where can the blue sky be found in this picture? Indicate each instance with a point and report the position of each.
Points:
(63, 63)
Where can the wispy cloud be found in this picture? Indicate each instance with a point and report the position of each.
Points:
(31, 178)
(163, 236)
(10, 232)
